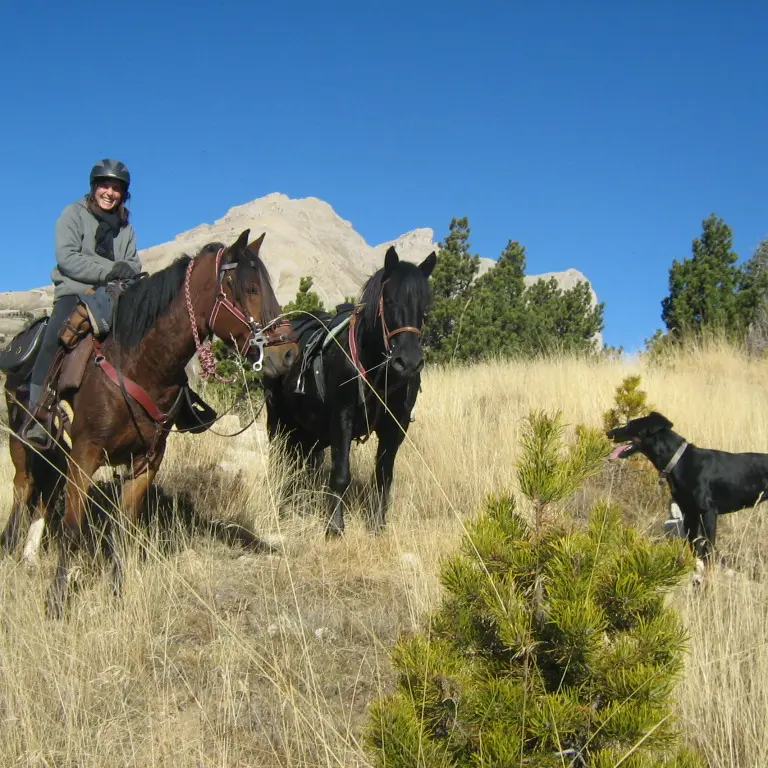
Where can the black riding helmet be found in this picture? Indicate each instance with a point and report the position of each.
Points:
(111, 169)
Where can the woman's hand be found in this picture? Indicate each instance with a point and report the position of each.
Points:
(121, 271)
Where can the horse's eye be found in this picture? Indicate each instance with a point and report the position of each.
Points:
(252, 290)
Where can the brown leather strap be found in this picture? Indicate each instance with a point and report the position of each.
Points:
(280, 334)
(386, 333)
(131, 387)
(404, 329)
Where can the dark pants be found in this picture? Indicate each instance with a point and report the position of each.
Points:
(62, 309)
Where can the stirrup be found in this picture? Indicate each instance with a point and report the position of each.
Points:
(37, 429)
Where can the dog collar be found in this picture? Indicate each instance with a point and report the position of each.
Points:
(673, 461)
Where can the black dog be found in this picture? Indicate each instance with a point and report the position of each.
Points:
(704, 483)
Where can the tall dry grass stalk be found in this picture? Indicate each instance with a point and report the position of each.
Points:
(219, 657)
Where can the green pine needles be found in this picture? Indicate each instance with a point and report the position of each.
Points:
(553, 645)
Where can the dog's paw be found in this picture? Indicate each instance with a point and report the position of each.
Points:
(697, 577)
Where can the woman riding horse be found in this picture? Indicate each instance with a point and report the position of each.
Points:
(95, 244)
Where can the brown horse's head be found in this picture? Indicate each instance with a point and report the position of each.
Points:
(244, 281)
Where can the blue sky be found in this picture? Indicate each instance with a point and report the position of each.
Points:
(598, 134)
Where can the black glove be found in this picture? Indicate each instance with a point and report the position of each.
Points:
(121, 271)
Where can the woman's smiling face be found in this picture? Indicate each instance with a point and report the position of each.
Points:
(108, 193)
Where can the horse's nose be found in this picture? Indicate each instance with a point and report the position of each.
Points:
(398, 364)
(401, 366)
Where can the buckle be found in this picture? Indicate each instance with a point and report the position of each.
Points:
(257, 340)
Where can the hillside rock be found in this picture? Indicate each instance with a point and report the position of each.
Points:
(304, 237)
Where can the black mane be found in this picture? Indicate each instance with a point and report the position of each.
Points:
(145, 300)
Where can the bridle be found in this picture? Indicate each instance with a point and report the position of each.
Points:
(226, 321)
(386, 334)
(354, 354)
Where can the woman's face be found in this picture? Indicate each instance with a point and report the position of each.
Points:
(108, 193)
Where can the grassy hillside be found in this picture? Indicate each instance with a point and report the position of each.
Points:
(221, 657)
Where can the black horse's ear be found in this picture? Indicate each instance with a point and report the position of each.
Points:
(428, 264)
(237, 249)
(391, 260)
(255, 246)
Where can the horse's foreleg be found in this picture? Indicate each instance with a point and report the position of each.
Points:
(22, 494)
(133, 495)
(341, 440)
(390, 436)
(49, 481)
(84, 460)
(11, 535)
(385, 465)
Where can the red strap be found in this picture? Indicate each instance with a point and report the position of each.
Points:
(131, 387)
(353, 352)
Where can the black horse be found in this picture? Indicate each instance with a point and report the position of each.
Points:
(364, 379)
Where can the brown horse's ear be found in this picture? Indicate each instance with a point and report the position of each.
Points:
(428, 264)
(237, 249)
(391, 260)
(255, 246)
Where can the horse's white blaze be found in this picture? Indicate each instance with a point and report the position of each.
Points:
(31, 552)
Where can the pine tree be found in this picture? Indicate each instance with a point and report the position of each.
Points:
(306, 299)
(754, 297)
(560, 319)
(703, 289)
(629, 402)
(451, 282)
(554, 644)
(495, 318)
(496, 315)
(245, 392)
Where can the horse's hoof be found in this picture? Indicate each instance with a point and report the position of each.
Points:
(334, 530)
(54, 607)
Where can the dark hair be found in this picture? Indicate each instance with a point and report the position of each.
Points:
(125, 214)
(210, 248)
(142, 302)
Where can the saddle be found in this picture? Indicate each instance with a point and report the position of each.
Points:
(314, 333)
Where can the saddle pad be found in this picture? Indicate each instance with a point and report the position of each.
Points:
(306, 325)
(317, 338)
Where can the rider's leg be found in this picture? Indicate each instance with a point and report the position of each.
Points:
(62, 309)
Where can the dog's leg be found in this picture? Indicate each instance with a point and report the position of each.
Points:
(691, 523)
(709, 532)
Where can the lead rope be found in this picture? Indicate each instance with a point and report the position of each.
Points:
(361, 372)
(203, 351)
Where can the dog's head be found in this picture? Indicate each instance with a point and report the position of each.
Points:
(636, 434)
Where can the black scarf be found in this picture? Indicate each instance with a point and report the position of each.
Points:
(109, 227)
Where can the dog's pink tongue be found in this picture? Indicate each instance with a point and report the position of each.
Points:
(617, 451)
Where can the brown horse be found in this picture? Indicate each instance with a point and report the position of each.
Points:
(131, 389)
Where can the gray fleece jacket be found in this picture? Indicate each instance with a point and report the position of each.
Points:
(78, 266)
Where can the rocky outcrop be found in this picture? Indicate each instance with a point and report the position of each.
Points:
(304, 237)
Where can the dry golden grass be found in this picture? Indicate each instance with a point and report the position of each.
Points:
(219, 657)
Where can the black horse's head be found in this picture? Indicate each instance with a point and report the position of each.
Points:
(395, 302)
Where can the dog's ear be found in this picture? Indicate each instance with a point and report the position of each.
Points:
(656, 423)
